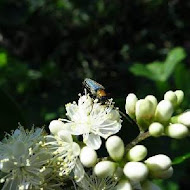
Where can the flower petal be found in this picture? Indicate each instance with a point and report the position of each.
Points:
(93, 141)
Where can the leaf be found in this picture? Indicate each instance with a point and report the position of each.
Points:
(151, 71)
(3, 59)
(180, 159)
(174, 57)
(160, 71)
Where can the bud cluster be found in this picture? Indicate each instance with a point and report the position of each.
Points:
(158, 117)
(129, 168)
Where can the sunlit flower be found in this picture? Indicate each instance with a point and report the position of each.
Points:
(65, 152)
(23, 160)
(92, 120)
(94, 183)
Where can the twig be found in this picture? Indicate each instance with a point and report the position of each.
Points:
(142, 136)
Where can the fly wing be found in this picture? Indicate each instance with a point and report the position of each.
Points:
(92, 85)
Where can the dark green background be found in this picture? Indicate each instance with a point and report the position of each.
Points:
(48, 47)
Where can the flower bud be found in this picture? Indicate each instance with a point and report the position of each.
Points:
(105, 169)
(135, 171)
(130, 105)
(184, 118)
(88, 157)
(148, 185)
(124, 185)
(55, 126)
(162, 174)
(144, 112)
(115, 147)
(156, 129)
(153, 100)
(177, 131)
(137, 153)
(158, 162)
(180, 96)
(171, 96)
(164, 111)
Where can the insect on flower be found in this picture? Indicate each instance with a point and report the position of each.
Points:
(96, 89)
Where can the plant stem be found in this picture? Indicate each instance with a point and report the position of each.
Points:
(142, 136)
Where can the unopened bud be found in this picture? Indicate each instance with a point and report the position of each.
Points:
(171, 96)
(105, 169)
(124, 185)
(144, 112)
(88, 157)
(164, 111)
(135, 171)
(115, 147)
(148, 185)
(158, 162)
(130, 105)
(180, 96)
(55, 126)
(184, 118)
(153, 100)
(156, 129)
(177, 131)
(137, 153)
(162, 174)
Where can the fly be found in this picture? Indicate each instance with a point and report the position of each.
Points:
(96, 89)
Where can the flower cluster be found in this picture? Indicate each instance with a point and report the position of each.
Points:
(33, 159)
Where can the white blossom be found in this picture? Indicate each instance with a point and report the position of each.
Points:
(23, 160)
(65, 152)
(92, 120)
(92, 182)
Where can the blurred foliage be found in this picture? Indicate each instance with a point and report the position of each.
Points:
(47, 48)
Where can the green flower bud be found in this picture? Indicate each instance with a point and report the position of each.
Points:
(164, 111)
(105, 169)
(177, 131)
(144, 112)
(156, 129)
(180, 96)
(135, 171)
(158, 162)
(171, 96)
(148, 185)
(153, 100)
(115, 147)
(162, 174)
(130, 105)
(124, 185)
(184, 118)
(55, 126)
(137, 153)
(88, 157)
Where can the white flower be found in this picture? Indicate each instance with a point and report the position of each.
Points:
(65, 152)
(23, 160)
(92, 182)
(92, 120)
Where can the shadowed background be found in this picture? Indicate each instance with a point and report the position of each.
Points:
(48, 47)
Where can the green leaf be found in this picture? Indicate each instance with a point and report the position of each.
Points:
(151, 71)
(3, 59)
(180, 159)
(174, 57)
(160, 71)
